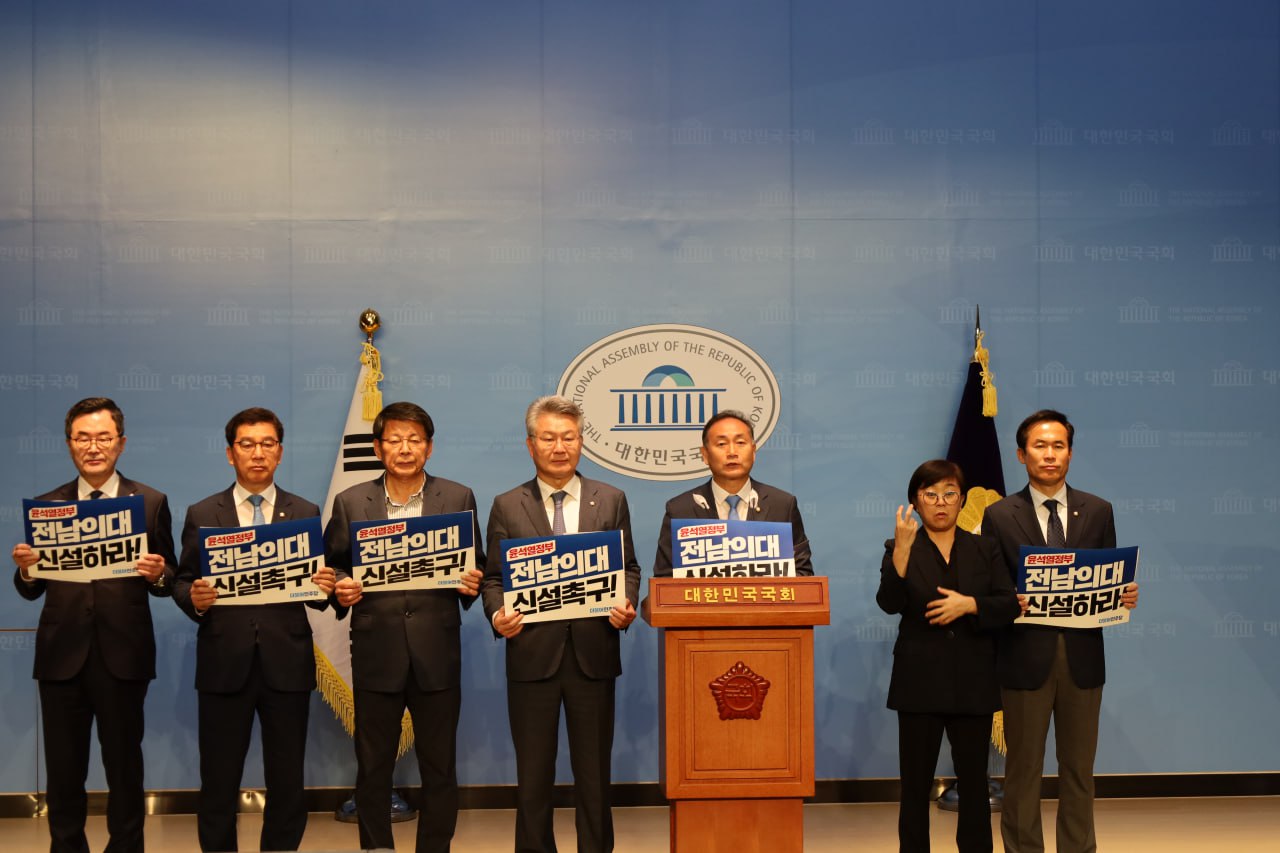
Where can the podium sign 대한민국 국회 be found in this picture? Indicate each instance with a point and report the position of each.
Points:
(736, 688)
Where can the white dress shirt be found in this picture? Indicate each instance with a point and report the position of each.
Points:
(749, 500)
(244, 509)
(572, 502)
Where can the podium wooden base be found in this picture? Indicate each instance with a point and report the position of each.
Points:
(737, 826)
(736, 691)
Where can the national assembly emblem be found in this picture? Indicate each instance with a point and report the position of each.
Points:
(647, 391)
(740, 693)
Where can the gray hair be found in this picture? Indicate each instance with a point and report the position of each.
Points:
(552, 404)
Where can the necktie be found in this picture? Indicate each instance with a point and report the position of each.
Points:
(733, 501)
(1054, 537)
(557, 522)
(95, 494)
(258, 518)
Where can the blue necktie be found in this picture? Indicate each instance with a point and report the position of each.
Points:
(733, 501)
(1054, 536)
(95, 494)
(258, 518)
(557, 521)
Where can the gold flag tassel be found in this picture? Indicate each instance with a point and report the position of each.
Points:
(335, 692)
(983, 357)
(406, 735)
(371, 405)
(997, 733)
(371, 394)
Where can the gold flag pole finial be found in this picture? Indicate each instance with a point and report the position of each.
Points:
(370, 322)
(983, 358)
(370, 393)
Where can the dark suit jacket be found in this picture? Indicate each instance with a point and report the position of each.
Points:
(229, 634)
(392, 632)
(116, 612)
(535, 652)
(1026, 651)
(946, 669)
(771, 505)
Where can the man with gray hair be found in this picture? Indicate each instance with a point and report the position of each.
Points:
(729, 450)
(574, 662)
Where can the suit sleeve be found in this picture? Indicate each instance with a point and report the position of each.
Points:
(998, 606)
(623, 521)
(992, 532)
(662, 560)
(29, 591)
(491, 584)
(1109, 531)
(337, 539)
(800, 542)
(188, 567)
(160, 541)
(892, 594)
(470, 504)
(337, 548)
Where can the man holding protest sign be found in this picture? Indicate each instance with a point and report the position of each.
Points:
(1046, 671)
(95, 647)
(405, 647)
(250, 658)
(729, 450)
(572, 662)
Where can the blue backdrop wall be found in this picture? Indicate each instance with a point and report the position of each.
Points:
(197, 198)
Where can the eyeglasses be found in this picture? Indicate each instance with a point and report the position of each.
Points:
(394, 442)
(248, 445)
(946, 498)
(84, 442)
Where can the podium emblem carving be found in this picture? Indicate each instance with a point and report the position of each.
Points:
(740, 693)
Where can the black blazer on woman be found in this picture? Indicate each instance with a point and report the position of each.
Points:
(946, 669)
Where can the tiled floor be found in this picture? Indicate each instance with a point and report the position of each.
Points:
(1238, 825)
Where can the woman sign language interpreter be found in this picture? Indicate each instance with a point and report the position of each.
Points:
(952, 594)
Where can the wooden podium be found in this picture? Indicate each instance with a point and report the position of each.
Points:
(737, 708)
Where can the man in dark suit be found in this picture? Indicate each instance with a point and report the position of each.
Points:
(253, 658)
(405, 648)
(573, 662)
(729, 450)
(95, 648)
(1050, 672)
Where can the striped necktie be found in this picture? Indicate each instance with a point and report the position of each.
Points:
(557, 522)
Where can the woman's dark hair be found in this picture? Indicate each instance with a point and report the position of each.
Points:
(933, 471)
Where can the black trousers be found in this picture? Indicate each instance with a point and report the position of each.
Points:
(67, 712)
(435, 735)
(226, 726)
(919, 739)
(534, 711)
